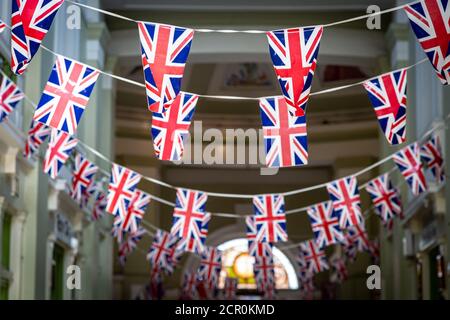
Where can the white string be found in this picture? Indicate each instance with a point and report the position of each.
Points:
(232, 31)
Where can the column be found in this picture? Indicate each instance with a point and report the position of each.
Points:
(17, 228)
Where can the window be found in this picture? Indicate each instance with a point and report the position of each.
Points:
(57, 273)
(6, 248)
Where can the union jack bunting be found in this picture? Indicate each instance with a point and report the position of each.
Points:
(165, 50)
(10, 96)
(294, 56)
(230, 288)
(270, 220)
(431, 154)
(59, 148)
(256, 248)
(385, 198)
(430, 22)
(388, 96)
(82, 177)
(2, 26)
(210, 265)
(130, 219)
(303, 270)
(264, 269)
(118, 233)
(307, 289)
(357, 236)
(350, 250)
(325, 224)
(344, 194)
(189, 285)
(161, 249)
(30, 22)
(315, 258)
(409, 164)
(66, 95)
(268, 289)
(130, 243)
(174, 258)
(37, 134)
(188, 218)
(170, 128)
(95, 186)
(339, 270)
(285, 137)
(121, 188)
(99, 207)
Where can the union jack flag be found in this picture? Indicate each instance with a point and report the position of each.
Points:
(2, 26)
(325, 224)
(340, 272)
(268, 289)
(315, 258)
(30, 20)
(188, 218)
(95, 186)
(118, 233)
(127, 247)
(270, 220)
(82, 177)
(165, 50)
(10, 96)
(255, 248)
(161, 250)
(230, 288)
(385, 198)
(409, 164)
(170, 128)
(357, 237)
(99, 207)
(303, 271)
(294, 56)
(431, 154)
(344, 194)
(66, 95)
(430, 22)
(350, 250)
(285, 136)
(121, 188)
(175, 256)
(264, 269)
(130, 219)
(189, 285)
(388, 96)
(210, 265)
(37, 134)
(59, 148)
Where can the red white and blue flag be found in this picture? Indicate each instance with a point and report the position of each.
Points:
(121, 189)
(99, 207)
(66, 95)
(315, 258)
(130, 243)
(388, 96)
(270, 220)
(285, 136)
(189, 290)
(37, 134)
(210, 265)
(409, 164)
(385, 198)
(358, 238)
(10, 96)
(339, 269)
(230, 288)
(2, 26)
(255, 248)
(188, 219)
(130, 219)
(30, 22)
(430, 22)
(294, 56)
(161, 251)
(303, 273)
(431, 154)
(344, 194)
(264, 269)
(325, 224)
(82, 177)
(59, 149)
(170, 128)
(165, 50)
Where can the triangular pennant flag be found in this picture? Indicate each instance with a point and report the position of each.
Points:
(285, 136)
(82, 177)
(170, 128)
(66, 95)
(430, 22)
(409, 164)
(37, 134)
(10, 96)
(431, 154)
(130, 219)
(387, 94)
(165, 50)
(294, 56)
(59, 149)
(344, 194)
(270, 219)
(30, 22)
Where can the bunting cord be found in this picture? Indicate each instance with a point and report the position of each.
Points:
(232, 31)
